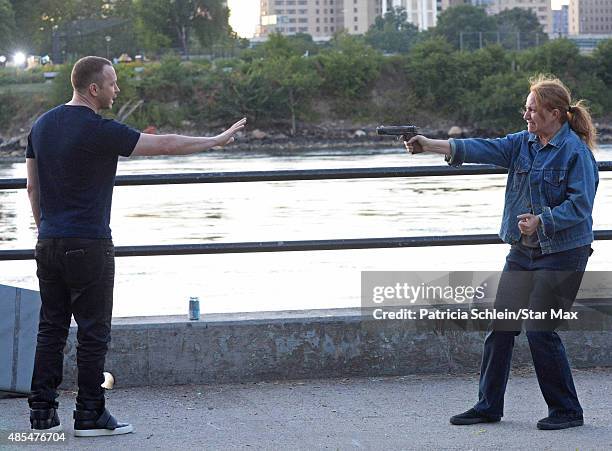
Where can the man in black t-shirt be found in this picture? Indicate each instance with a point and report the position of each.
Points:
(71, 162)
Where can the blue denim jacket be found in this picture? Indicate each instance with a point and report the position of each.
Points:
(557, 181)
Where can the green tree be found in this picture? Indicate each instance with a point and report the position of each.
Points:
(393, 33)
(489, 60)
(210, 20)
(168, 81)
(475, 67)
(7, 26)
(496, 104)
(294, 81)
(435, 70)
(278, 45)
(277, 80)
(123, 34)
(36, 20)
(61, 91)
(232, 92)
(518, 19)
(163, 23)
(152, 25)
(524, 22)
(461, 24)
(603, 61)
(78, 25)
(560, 57)
(349, 67)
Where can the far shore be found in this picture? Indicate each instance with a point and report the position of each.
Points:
(271, 142)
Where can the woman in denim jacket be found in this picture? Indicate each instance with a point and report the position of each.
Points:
(552, 180)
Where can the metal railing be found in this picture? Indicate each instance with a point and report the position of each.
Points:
(303, 245)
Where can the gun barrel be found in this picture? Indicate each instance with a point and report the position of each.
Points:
(396, 130)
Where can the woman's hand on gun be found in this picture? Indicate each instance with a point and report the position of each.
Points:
(416, 144)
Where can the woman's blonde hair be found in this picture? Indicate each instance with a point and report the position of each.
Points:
(552, 94)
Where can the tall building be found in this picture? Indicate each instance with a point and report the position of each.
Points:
(445, 4)
(541, 8)
(560, 22)
(590, 17)
(359, 15)
(485, 3)
(422, 13)
(319, 18)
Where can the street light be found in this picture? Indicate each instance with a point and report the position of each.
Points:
(107, 39)
(19, 59)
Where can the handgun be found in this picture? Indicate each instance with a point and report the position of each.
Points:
(403, 132)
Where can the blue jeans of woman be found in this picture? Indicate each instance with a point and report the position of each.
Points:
(76, 277)
(537, 282)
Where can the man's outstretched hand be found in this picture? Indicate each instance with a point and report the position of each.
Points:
(227, 137)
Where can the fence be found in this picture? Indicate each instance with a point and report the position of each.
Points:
(515, 40)
(303, 245)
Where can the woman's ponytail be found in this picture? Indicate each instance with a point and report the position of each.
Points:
(580, 121)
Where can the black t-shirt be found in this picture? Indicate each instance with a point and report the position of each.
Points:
(76, 152)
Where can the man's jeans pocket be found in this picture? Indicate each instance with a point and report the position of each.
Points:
(85, 263)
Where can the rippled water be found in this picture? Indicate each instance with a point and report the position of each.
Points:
(271, 211)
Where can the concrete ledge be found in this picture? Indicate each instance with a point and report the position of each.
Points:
(303, 344)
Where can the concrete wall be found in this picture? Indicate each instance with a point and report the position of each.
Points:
(305, 344)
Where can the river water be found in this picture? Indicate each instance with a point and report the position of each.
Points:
(273, 211)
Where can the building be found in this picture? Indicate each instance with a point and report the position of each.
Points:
(541, 8)
(485, 3)
(590, 17)
(319, 18)
(422, 13)
(586, 43)
(445, 4)
(359, 15)
(560, 22)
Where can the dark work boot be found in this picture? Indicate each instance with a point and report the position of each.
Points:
(92, 423)
(43, 417)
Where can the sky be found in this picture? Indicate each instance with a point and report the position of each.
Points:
(244, 15)
(556, 4)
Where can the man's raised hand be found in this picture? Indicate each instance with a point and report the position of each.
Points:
(227, 136)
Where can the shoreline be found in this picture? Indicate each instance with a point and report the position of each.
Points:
(258, 141)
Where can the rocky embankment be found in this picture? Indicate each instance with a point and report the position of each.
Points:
(307, 138)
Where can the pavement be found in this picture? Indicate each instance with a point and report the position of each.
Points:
(409, 412)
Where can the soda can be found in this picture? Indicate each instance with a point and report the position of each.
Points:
(194, 308)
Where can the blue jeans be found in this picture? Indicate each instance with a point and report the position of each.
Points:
(525, 289)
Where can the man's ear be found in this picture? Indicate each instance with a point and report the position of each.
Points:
(93, 89)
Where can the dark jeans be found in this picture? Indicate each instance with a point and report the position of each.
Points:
(544, 281)
(76, 277)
